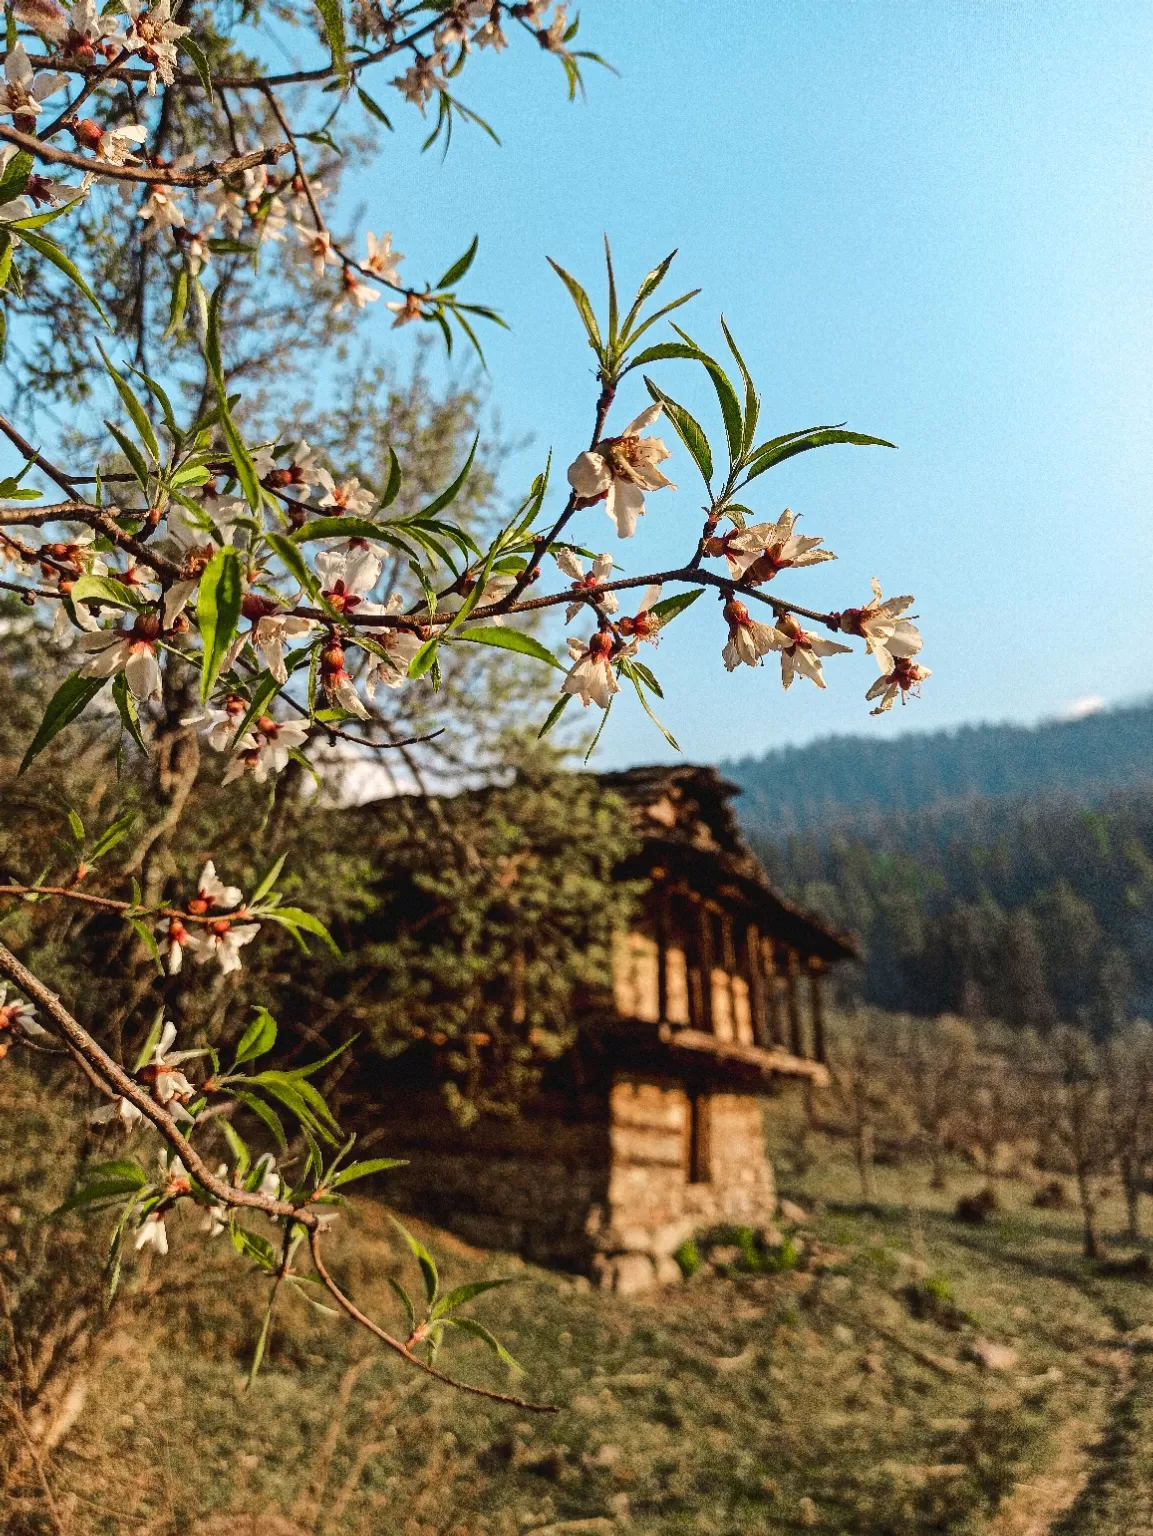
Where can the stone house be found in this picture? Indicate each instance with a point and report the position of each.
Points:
(651, 1128)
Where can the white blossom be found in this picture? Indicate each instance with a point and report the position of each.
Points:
(132, 652)
(152, 1234)
(353, 292)
(382, 261)
(23, 90)
(571, 564)
(622, 469)
(756, 554)
(351, 497)
(153, 34)
(591, 677)
(121, 1110)
(266, 748)
(886, 634)
(222, 941)
(161, 209)
(270, 633)
(905, 679)
(317, 244)
(801, 651)
(400, 645)
(748, 639)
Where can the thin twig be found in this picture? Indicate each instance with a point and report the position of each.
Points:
(405, 1353)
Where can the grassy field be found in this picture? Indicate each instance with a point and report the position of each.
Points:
(841, 1397)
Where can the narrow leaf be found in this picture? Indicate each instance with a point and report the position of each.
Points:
(510, 640)
(69, 701)
(218, 603)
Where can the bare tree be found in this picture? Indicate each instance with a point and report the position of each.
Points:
(1128, 1067)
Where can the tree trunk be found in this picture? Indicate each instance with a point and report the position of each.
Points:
(1090, 1247)
(1131, 1179)
(865, 1160)
(937, 1163)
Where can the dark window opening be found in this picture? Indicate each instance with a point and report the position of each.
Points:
(698, 1139)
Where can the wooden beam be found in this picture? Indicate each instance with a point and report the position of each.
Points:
(757, 987)
(705, 967)
(817, 1007)
(793, 1004)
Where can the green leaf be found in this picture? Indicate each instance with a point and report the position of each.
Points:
(218, 603)
(771, 454)
(362, 1170)
(647, 288)
(133, 406)
(726, 397)
(664, 351)
(599, 731)
(245, 469)
(113, 834)
(45, 246)
(77, 826)
(463, 1293)
(510, 640)
(293, 563)
(258, 1038)
(668, 608)
(446, 498)
(69, 701)
(627, 668)
(148, 939)
(165, 404)
(338, 528)
(584, 308)
(263, 1112)
(262, 1337)
(613, 309)
(196, 53)
(151, 1042)
(479, 1331)
(372, 108)
(238, 1147)
(299, 1099)
(554, 715)
(15, 177)
(392, 489)
(687, 428)
(104, 1189)
(178, 303)
(333, 17)
(424, 1259)
(130, 451)
(117, 1168)
(752, 404)
(406, 1301)
(105, 589)
(269, 880)
(126, 708)
(459, 267)
(296, 917)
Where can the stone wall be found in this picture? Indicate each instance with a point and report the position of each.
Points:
(600, 1185)
(652, 1207)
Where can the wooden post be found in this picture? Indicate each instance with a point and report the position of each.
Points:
(662, 952)
(705, 944)
(817, 1007)
(772, 992)
(793, 1003)
(757, 988)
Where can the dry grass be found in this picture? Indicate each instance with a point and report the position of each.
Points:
(806, 1401)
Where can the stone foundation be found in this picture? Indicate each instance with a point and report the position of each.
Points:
(602, 1187)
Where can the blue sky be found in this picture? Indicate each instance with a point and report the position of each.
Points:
(931, 221)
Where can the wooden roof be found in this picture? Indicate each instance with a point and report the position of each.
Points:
(690, 833)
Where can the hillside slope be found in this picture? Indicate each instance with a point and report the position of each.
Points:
(841, 778)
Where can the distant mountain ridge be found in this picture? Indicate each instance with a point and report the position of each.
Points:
(849, 779)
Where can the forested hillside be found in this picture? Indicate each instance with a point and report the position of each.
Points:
(1031, 907)
(799, 789)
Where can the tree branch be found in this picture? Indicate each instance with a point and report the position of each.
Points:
(195, 176)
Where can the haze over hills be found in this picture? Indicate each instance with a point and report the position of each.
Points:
(850, 779)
